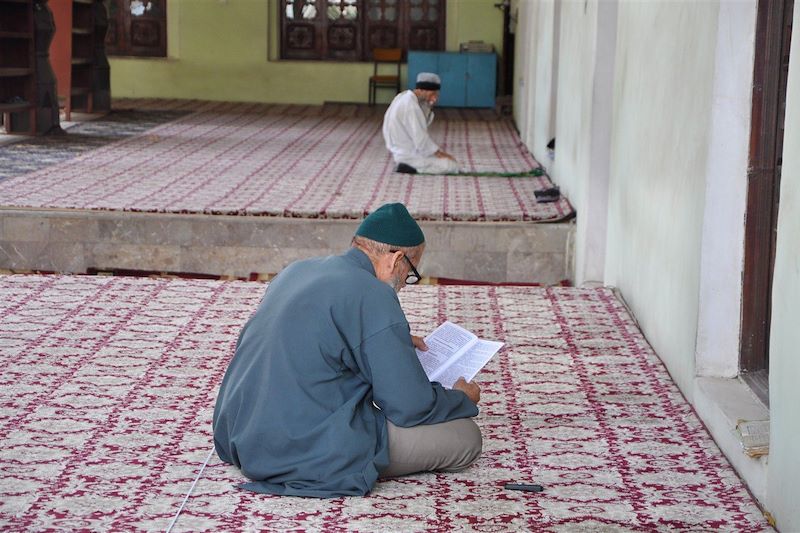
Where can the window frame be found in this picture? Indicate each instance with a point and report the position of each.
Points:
(122, 28)
(309, 39)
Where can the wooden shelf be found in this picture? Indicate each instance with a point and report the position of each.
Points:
(13, 108)
(18, 67)
(81, 93)
(15, 34)
(15, 72)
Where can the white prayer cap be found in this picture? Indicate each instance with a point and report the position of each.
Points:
(428, 81)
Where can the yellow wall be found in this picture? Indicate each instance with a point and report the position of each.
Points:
(222, 50)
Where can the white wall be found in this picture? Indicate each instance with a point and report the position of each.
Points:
(783, 481)
(719, 326)
(661, 116)
(542, 121)
(535, 74)
(679, 142)
(524, 66)
(583, 125)
(574, 108)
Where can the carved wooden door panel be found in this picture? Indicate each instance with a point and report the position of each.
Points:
(343, 25)
(137, 28)
(383, 24)
(425, 24)
(348, 30)
(301, 35)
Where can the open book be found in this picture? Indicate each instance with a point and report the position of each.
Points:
(454, 352)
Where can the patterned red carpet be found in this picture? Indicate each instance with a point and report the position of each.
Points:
(108, 385)
(294, 161)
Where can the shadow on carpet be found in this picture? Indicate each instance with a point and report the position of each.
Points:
(34, 153)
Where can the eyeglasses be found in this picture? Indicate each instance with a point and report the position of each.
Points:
(413, 277)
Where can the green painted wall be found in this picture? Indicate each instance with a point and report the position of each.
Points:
(223, 50)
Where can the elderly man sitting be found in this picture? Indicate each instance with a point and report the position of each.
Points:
(405, 130)
(325, 392)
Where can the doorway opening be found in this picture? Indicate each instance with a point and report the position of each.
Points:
(773, 39)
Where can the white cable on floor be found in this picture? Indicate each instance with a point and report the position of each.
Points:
(186, 498)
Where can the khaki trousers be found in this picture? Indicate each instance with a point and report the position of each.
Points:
(449, 446)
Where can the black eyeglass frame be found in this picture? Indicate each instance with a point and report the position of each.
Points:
(414, 274)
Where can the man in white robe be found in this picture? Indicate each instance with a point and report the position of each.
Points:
(405, 130)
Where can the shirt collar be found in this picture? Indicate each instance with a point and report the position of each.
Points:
(360, 259)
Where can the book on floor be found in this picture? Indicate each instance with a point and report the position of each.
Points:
(754, 435)
(454, 352)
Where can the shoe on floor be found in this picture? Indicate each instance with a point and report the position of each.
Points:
(547, 195)
(402, 168)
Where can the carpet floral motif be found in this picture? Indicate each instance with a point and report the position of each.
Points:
(108, 386)
(293, 161)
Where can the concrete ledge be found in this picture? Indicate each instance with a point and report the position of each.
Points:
(721, 403)
(76, 240)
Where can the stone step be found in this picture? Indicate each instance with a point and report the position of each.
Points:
(74, 241)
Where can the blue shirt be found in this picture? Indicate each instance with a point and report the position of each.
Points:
(295, 409)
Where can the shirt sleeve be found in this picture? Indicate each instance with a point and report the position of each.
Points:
(399, 384)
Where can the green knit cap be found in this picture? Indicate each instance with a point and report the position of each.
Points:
(392, 224)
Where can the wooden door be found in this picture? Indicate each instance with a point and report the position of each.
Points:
(773, 38)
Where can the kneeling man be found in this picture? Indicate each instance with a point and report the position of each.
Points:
(405, 130)
(325, 393)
